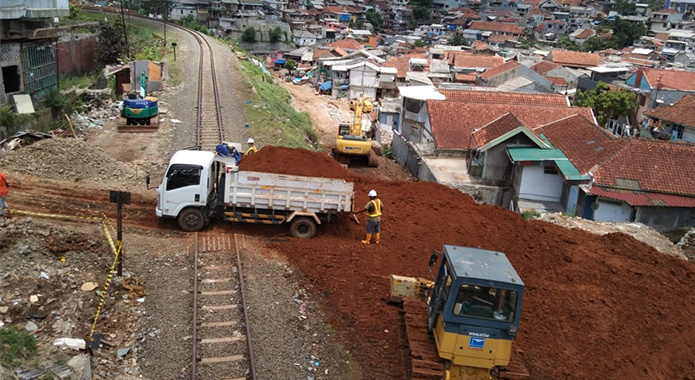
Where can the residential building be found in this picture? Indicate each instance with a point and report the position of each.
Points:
(663, 20)
(27, 57)
(557, 74)
(510, 31)
(573, 59)
(303, 38)
(580, 36)
(657, 86)
(676, 120)
(647, 181)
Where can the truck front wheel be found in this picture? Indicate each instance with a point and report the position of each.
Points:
(191, 219)
(303, 227)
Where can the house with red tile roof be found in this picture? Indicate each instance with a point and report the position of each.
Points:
(451, 132)
(347, 44)
(648, 181)
(655, 87)
(558, 73)
(511, 31)
(573, 59)
(497, 75)
(677, 119)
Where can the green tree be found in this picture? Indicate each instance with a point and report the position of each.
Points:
(625, 32)
(458, 40)
(656, 5)
(419, 43)
(290, 64)
(623, 7)
(249, 35)
(375, 19)
(595, 43)
(111, 45)
(275, 34)
(565, 43)
(421, 13)
(607, 104)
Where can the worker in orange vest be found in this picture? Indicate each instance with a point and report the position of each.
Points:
(4, 190)
(374, 209)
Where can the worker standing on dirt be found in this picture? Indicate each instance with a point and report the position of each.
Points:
(252, 147)
(373, 208)
(4, 190)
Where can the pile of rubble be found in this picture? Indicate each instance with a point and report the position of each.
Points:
(68, 159)
(50, 284)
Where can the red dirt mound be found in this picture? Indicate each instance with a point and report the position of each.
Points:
(275, 159)
(596, 307)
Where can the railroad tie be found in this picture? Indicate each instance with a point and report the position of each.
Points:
(220, 307)
(222, 359)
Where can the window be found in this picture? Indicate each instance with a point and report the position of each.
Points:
(550, 170)
(486, 303)
(678, 129)
(183, 175)
(642, 100)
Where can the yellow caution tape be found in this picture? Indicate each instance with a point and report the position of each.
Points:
(117, 252)
(45, 215)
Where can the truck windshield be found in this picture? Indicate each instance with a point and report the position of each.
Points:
(486, 303)
(180, 176)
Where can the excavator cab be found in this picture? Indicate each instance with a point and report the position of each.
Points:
(474, 310)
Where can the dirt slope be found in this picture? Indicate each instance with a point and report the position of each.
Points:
(596, 307)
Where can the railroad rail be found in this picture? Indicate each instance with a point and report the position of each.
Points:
(209, 124)
(221, 351)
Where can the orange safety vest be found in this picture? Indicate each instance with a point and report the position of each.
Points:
(377, 208)
(3, 185)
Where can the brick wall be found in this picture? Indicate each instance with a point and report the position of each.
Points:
(77, 54)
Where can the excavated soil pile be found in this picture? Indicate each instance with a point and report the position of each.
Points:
(67, 159)
(274, 159)
(596, 307)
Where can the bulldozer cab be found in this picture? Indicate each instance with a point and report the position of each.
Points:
(477, 293)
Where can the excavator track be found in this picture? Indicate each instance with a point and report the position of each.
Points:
(425, 361)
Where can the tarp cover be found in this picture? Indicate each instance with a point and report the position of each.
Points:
(325, 86)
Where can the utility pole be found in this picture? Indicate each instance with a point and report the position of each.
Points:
(120, 198)
(125, 33)
(164, 16)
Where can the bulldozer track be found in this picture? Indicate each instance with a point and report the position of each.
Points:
(222, 347)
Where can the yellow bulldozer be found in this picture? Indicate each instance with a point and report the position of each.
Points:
(353, 144)
(461, 325)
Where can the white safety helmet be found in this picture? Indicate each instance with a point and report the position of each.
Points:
(372, 193)
(250, 141)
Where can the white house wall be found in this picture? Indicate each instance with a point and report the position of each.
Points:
(538, 186)
(606, 211)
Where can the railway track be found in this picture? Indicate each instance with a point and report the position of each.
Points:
(209, 124)
(222, 347)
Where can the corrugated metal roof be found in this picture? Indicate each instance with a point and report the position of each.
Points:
(569, 171)
(637, 198)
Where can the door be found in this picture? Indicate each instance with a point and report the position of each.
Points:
(181, 186)
(439, 295)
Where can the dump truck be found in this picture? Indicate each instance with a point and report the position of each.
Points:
(199, 186)
(461, 324)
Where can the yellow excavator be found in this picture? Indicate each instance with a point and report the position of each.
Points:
(461, 325)
(353, 145)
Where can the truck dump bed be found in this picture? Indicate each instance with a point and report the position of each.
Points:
(287, 192)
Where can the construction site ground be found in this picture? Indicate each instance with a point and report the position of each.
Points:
(596, 306)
